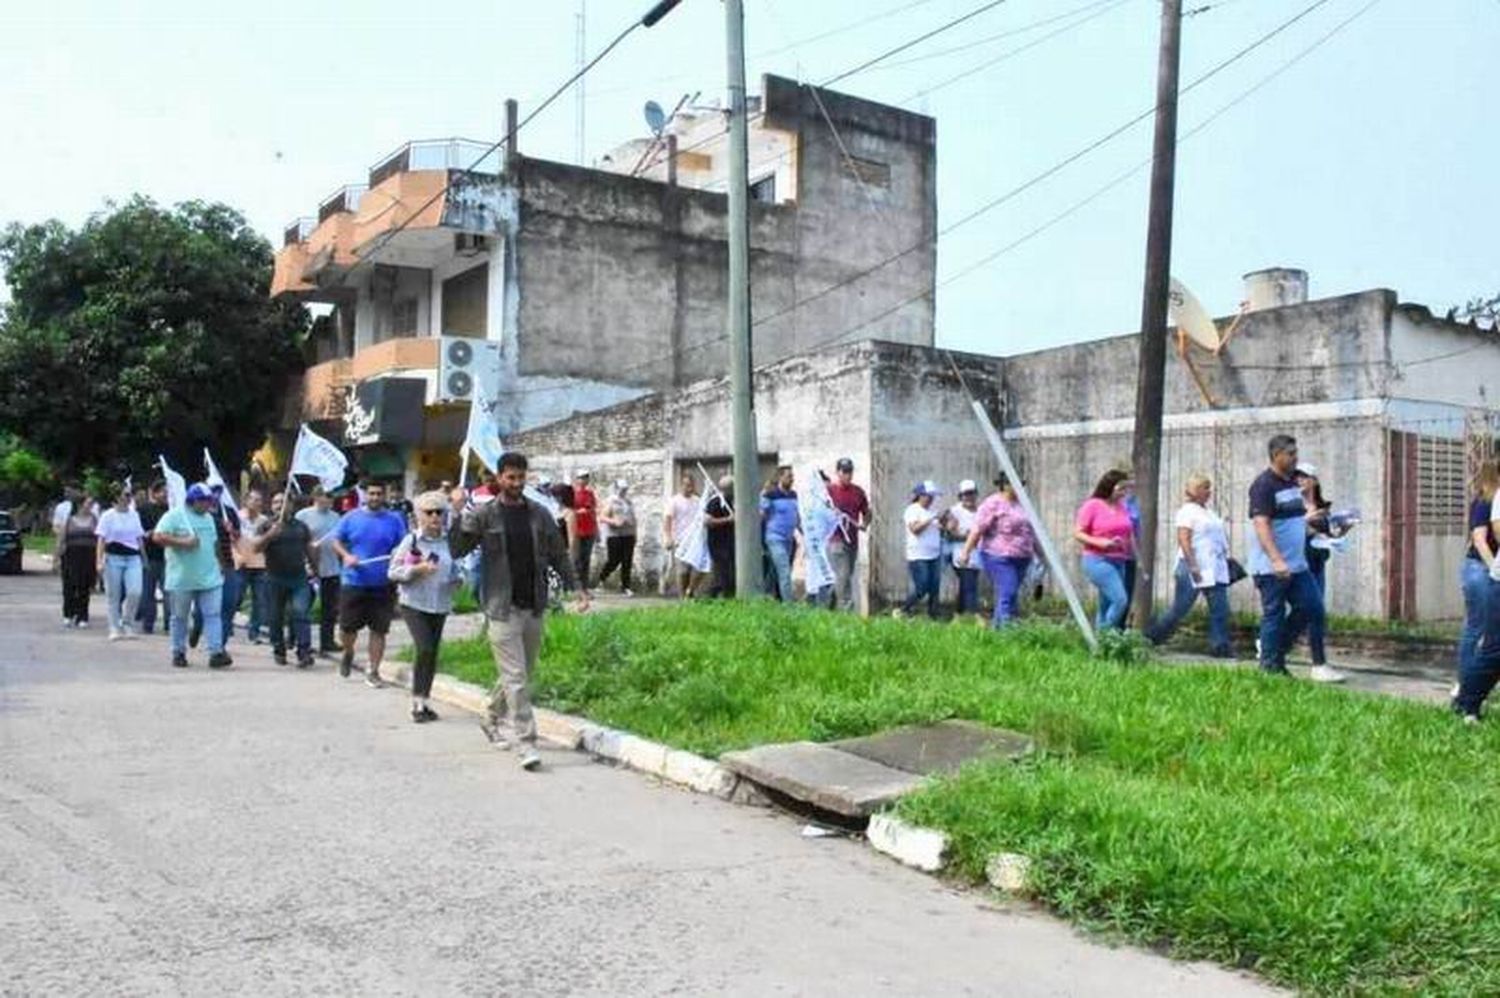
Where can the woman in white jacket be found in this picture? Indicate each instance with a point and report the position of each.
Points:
(427, 576)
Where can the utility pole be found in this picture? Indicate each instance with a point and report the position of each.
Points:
(1151, 373)
(741, 375)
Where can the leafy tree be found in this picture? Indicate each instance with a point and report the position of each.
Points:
(147, 330)
(25, 479)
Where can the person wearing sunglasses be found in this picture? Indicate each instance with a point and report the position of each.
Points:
(426, 576)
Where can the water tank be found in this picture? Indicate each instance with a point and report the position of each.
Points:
(1275, 287)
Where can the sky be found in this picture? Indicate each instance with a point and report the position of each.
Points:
(1369, 162)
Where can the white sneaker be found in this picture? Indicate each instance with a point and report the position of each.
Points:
(627, 593)
(1453, 693)
(530, 761)
(1326, 674)
(84, 624)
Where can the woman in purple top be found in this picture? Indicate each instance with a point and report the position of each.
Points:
(1104, 528)
(1006, 542)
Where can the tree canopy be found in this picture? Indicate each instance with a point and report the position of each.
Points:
(146, 330)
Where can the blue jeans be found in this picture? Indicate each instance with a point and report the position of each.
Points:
(229, 602)
(1476, 586)
(296, 594)
(926, 578)
(780, 552)
(1006, 575)
(1108, 578)
(968, 589)
(201, 604)
(1483, 671)
(1217, 598)
(1287, 607)
(255, 582)
(122, 588)
(153, 580)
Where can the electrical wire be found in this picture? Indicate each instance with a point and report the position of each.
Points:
(946, 26)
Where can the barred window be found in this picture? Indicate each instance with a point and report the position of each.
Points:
(1441, 488)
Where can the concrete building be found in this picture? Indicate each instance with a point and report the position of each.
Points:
(599, 285)
(1390, 402)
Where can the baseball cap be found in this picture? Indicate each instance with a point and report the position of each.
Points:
(967, 485)
(198, 492)
(927, 487)
(581, 473)
(621, 483)
(844, 464)
(1306, 470)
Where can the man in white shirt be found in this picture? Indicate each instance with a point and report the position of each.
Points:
(957, 523)
(924, 549)
(681, 511)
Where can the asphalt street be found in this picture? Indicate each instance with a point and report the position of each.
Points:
(265, 831)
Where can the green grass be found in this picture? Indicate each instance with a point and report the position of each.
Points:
(39, 543)
(1332, 841)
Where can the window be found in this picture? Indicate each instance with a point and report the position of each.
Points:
(404, 317)
(1440, 485)
(869, 172)
(764, 189)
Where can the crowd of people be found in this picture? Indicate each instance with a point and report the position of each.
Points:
(368, 556)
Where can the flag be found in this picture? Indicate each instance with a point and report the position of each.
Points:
(317, 457)
(226, 498)
(482, 438)
(820, 518)
(542, 499)
(693, 549)
(176, 484)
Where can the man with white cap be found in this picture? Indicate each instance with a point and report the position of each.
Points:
(843, 546)
(924, 548)
(957, 523)
(189, 535)
(618, 519)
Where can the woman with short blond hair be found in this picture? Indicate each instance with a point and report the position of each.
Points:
(1202, 567)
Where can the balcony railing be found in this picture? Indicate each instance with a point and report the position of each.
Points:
(298, 230)
(438, 154)
(346, 198)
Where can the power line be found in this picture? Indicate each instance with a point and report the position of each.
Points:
(946, 26)
(1009, 33)
(928, 292)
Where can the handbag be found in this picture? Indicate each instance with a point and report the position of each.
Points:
(1236, 571)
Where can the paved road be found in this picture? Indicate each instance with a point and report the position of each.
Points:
(265, 831)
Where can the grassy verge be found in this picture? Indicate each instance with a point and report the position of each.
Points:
(39, 543)
(1332, 841)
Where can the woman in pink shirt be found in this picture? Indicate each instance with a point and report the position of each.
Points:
(1006, 544)
(1104, 528)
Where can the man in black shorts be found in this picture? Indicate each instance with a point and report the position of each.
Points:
(364, 541)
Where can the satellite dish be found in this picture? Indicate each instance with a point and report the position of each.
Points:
(656, 118)
(1191, 317)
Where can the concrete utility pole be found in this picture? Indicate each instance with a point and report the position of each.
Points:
(1151, 374)
(741, 374)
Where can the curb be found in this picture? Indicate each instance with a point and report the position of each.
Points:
(921, 848)
(675, 766)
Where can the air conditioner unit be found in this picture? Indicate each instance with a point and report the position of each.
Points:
(467, 368)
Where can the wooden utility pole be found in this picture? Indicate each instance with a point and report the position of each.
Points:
(1151, 373)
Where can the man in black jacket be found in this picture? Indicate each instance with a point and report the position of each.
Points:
(520, 542)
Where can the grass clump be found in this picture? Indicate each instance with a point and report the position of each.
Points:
(1332, 841)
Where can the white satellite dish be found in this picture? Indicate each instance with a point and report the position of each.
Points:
(656, 118)
(1189, 315)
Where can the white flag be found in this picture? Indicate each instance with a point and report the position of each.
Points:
(317, 457)
(482, 438)
(820, 518)
(226, 498)
(693, 550)
(176, 484)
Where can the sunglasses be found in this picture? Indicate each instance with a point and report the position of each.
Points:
(431, 512)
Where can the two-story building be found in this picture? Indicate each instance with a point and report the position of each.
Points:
(588, 287)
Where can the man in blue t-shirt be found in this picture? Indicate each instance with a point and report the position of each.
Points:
(781, 521)
(364, 541)
(1290, 600)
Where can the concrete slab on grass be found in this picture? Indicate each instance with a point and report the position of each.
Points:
(941, 748)
(823, 776)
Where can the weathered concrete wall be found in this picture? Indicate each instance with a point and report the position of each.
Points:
(623, 279)
(1439, 361)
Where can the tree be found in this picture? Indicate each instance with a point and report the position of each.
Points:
(25, 479)
(147, 330)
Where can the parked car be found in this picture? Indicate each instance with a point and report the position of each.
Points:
(10, 545)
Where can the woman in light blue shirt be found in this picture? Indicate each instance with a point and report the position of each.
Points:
(427, 576)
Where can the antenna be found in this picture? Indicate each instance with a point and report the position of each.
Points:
(581, 53)
(656, 118)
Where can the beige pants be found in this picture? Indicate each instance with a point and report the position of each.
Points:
(515, 643)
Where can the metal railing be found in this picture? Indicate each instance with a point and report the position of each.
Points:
(297, 230)
(437, 154)
(346, 198)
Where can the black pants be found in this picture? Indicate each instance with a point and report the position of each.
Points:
(328, 596)
(426, 634)
(723, 562)
(585, 560)
(619, 553)
(79, 573)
